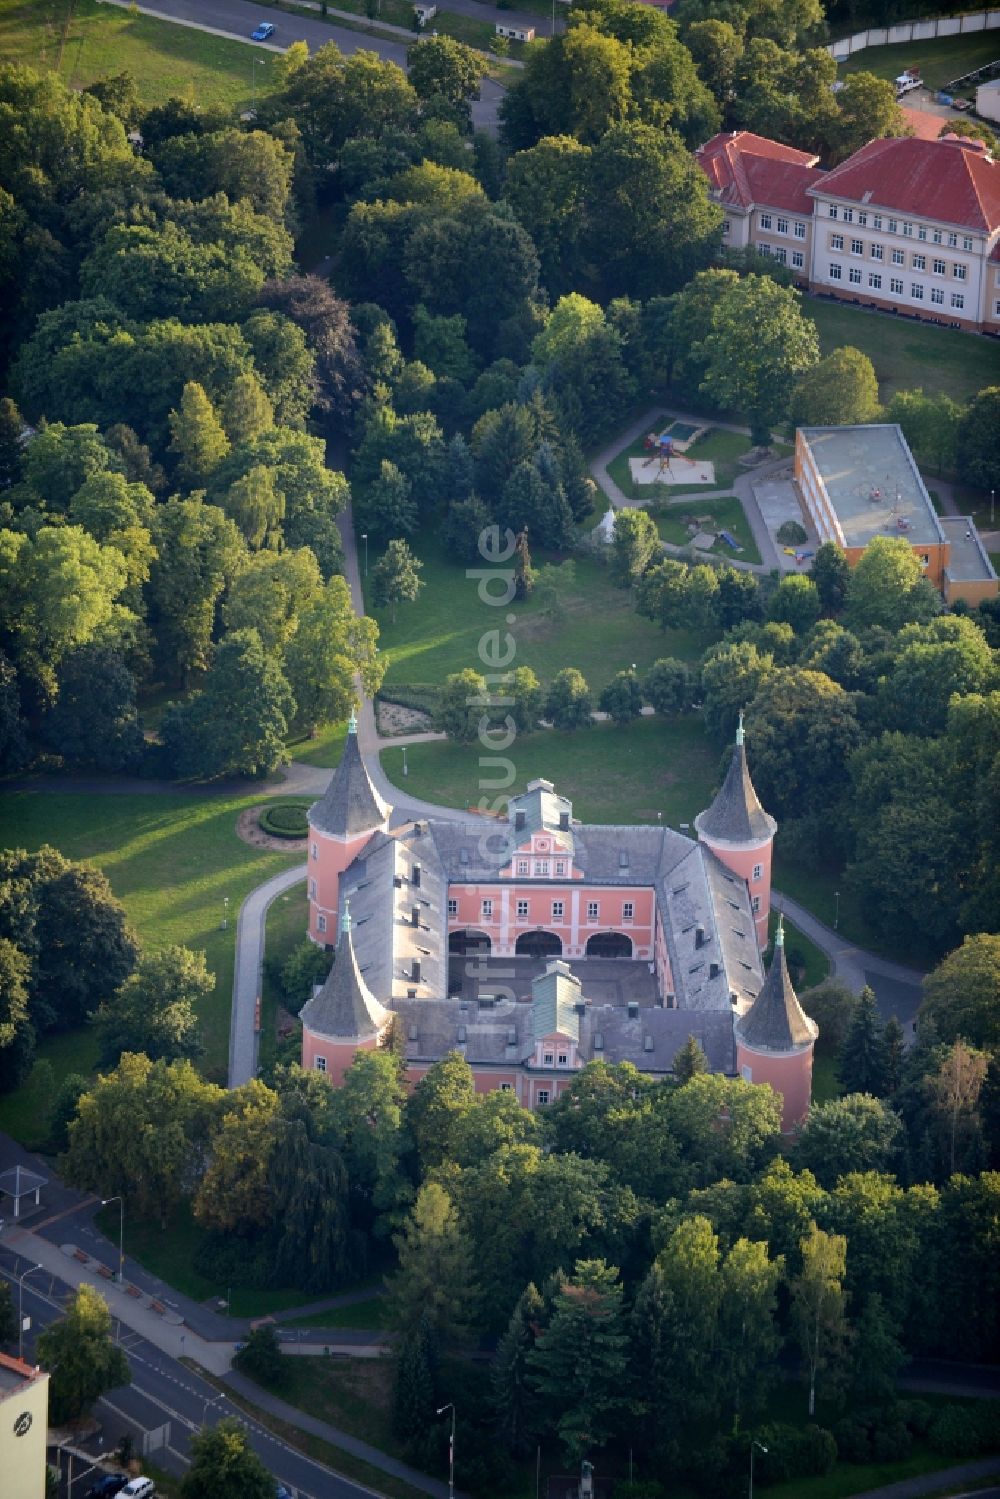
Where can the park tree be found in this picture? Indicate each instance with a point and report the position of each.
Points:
(930, 425)
(396, 577)
(461, 706)
(525, 692)
(225, 1466)
(154, 1011)
(14, 750)
(441, 1098)
(434, 1279)
(85, 1362)
(853, 1133)
(578, 1363)
(310, 1233)
(82, 943)
(621, 698)
(935, 661)
(524, 573)
(261, 1357)
(840, 391)
(386, 507)
(11, 448)
(93, 721)
(830, 571)
(861, 1065)
(954, 1090)
(635, 543)
(876, 1354)
(165, 272)
(962, 994)
(668, 685)
(198, 436)
(235, 1193)
(63, 1112)
(118, 513)
(60, 459)
(141, 1131)
(15, 972)
(237, 724)
(374, 1140)
(445, 75)
(270, 593)
(415, 1387)
(801, 729)
(532, 502)
(330, 646)
(795, 602)
(246, 410)
(887, 587)
(311, 303)
(732, 675)
(546, 187)
(256, 506)
(760, 344)
(568, 704)
(199, 550)
(867, 110)
(819, 1313)
(831, 1004)
(512, 1402)
(748, 1335)
(689, 1061)
(978, 458)
(831, 649)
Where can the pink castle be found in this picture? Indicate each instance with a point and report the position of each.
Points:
(536, 943)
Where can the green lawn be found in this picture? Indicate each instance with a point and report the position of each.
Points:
(826, 1084)
(726, 514)
(722, 447)
(324, 749)
(599, 634)
(165, 59)
(940, 59)
(908, 355)
(611, 774)
(821, 888)
(24, 1114)
(359, 1314)
(172, 860)
(815, 964)
(286, 925)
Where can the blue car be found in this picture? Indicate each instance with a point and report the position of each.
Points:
(264, 30)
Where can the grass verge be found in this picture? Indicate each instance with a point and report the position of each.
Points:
(359, 1315)
(335, 1458)
(612, 775)
(814, 966)
(908, 355)
(82, 40)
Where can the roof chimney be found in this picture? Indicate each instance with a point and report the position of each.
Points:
(415, 876)
(633, 1009)
(415, 972)
(414, 915)
(699, 936)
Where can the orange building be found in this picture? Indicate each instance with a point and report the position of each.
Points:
(535, 943)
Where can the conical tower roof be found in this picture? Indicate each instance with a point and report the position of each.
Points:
(736, 815)
(776, 1021)
(350, 805)
(345, 1007)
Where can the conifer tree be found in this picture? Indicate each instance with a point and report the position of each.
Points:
(246, 411)
(862, 1063)
(894, 1042)
(578, 1363)
(512, 1401)
(198, 437)
(414, 1395)
(524, 575)
(434, 1281)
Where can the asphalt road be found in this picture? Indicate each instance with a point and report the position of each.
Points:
(237, 18)
(165, 1390)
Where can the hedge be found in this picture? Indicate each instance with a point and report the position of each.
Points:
(284, 820)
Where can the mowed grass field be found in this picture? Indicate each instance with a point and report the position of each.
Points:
(172, 860)
(599, 633)
(83, 40)
(611, 774)
(940, 60)
(909, 355)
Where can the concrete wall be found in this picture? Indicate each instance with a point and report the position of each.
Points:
(914, 31)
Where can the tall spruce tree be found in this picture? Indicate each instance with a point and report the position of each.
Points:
(862, 1063)
(578, 1363)
(414, 1393)
(512, 1402)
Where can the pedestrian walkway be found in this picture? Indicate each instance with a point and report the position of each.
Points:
(855, 966)
(933, 1483)
(250, 929)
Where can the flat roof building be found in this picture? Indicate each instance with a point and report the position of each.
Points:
(24, 1414)
(862, 481)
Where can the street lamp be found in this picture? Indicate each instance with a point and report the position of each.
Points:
(451, 1448)
(225, 913)
(836, 910)
(257, 62)
(760, 1446)
(364, 538)
(105, 1201)
(20, 1306)
(405, 772)
(992, 495)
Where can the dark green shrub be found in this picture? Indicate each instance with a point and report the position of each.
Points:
(305, 967)
(794, 1452)
(917, 1414)
(284, 820)
(229, 1261)
(423, 697)
(891, 1441)
(791, 534)
(853, 1440)
(817, 1451)
(958, 1431)
(260, 1357)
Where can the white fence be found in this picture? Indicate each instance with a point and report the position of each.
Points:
(915, 31)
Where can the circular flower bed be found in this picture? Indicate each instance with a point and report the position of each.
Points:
(284, 820)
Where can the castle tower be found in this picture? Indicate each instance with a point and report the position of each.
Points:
(340, 824)
(774, 1040)
(741, 833)
(344, 1017)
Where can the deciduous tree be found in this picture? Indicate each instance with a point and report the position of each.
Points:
(569, 704)
(330, 646)
(396, 577)
(819, 1308)
(839, 391)
(154, 1011)
(83, 1359)
(237, 724)
(962, 994)
(225, 1466)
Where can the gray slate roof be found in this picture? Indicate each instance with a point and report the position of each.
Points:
(776, 1021)
(345, 1006)
(350, 804)
(736, 815)
(653, 1038)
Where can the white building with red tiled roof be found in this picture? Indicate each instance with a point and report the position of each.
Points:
(906, 225)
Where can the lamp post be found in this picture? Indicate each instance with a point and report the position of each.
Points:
(405, 771)
(20, 1306)
(992, 512)
(760, 1446)
(836, 910)
(105, 1202)
(258, 62)
(451, 1448)
(364, 538)
(225, 913)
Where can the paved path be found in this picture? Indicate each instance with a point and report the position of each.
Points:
(237, 18)
(250, 928)
(897, 989)
(933, 1483)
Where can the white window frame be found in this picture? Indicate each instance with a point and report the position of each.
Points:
(800, 229)
(628, 912)
(898, 257)
(834, 213)
(523, 866)
(875, 280)
(319, 1063)
(958, 300)
(782, 226)
(959, 272)
(836, 274)
(312, 889)
(966, 241)
(937, 296)
(315, 851)
(486, 908)
(758, 871)
(896, 286)
(452, 907)
(560, 866)
(877, 253)
(919, 262)
(854, 275)
(562, 1058)
(857, 247)
(542, 867)
(922, 231)
(798, 260)
(836, 241)
(938, 267)
(765, 221)
(558, 910)
(542, 1096)
(506, 1087)
(916, 291)
(593, 910)
(523, 910)
(321, 923)
(755, 904)
(548, 1059)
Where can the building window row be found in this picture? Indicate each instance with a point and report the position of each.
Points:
(782, 225)
(892, 225)
(523, 910)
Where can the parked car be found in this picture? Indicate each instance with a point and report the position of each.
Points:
(139, 1488)
(280, 1492)
(107, 1486)
(264, 30)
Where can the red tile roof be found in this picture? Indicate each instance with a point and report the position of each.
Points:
(744, 169)
(954, 181)
(925, 126)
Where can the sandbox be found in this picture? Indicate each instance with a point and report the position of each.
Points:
(678, 470)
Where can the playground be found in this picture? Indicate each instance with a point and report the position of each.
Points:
(665, 459)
